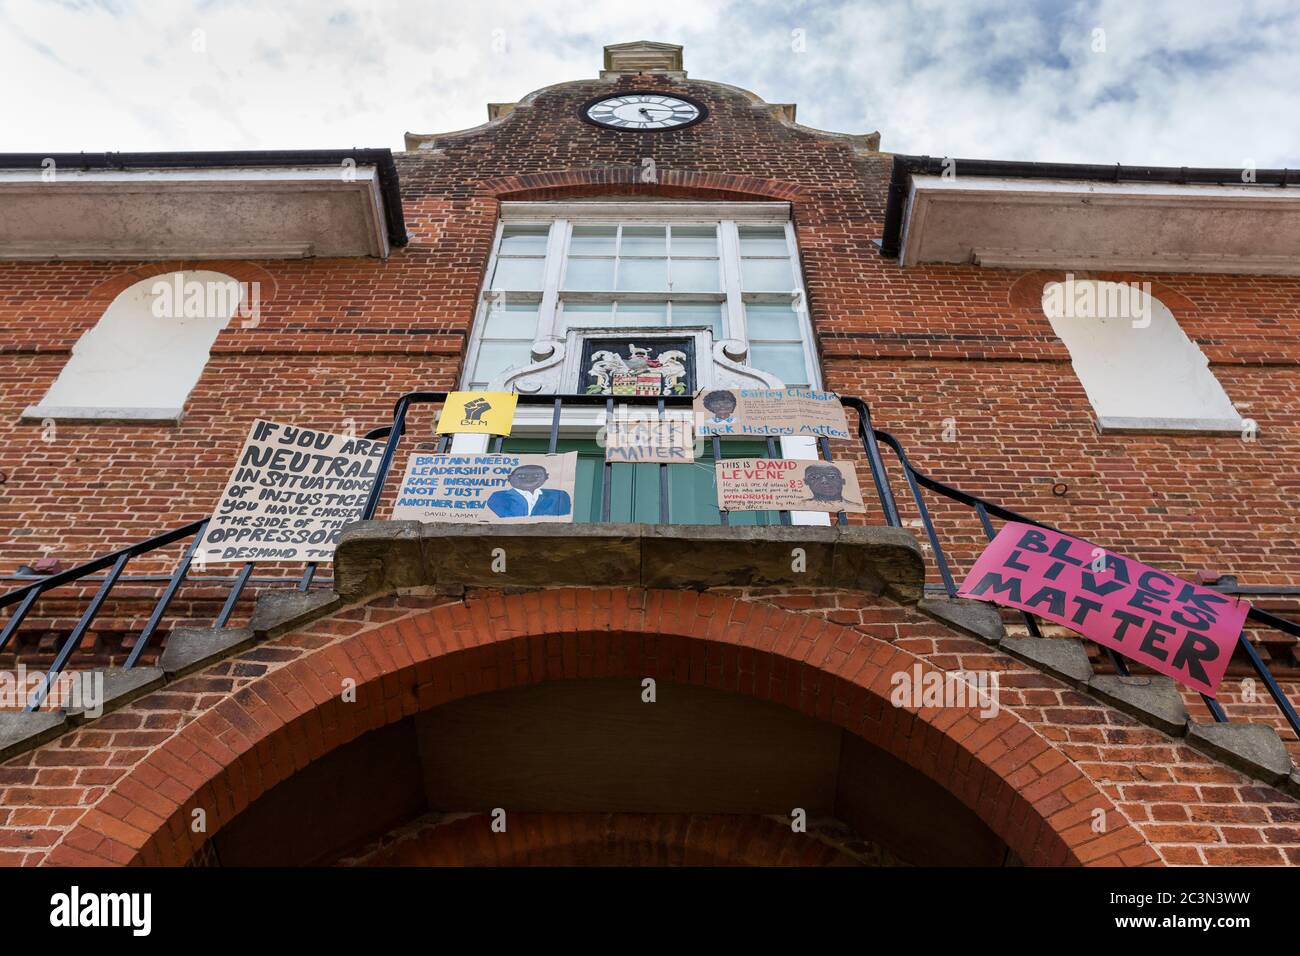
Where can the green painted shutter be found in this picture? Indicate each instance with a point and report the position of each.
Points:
(634, 489)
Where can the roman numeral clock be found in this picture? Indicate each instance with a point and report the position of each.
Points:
(643, 111)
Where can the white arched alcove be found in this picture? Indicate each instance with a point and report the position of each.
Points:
(1140, 370)
(146, 352)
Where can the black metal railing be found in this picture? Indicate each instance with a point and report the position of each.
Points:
(557, 403)
(985, 510)
(22, 599)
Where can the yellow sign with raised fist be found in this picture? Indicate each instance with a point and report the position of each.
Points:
(478, 413)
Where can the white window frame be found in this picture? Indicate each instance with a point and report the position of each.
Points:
(561, 217)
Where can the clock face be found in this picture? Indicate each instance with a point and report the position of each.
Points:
(643, 111)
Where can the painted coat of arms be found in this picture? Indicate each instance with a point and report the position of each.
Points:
(614, 367)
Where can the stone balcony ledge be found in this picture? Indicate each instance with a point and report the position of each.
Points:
(380, 556)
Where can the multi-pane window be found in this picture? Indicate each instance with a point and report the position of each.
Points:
(765, 259)
(660, 261)
(627, 314)
(738, 279)
(521, 258)
(776, 342)
(508, 332)
(632, 258)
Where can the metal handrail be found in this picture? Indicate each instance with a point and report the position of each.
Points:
(917, 479)
(401, 408)
(98, 564)
(25, 596)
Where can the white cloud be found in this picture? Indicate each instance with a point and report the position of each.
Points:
(1180, 82)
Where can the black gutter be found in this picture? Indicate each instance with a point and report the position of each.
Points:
(900, 180)
(381, 159)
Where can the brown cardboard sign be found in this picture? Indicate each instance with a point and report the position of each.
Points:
(292, 491)
(748, 412)
(497, 488)
(642, 435)
(784, 484)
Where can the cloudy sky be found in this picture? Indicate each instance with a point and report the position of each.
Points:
(1170, 82)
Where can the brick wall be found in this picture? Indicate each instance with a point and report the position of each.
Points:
(340, 338)
(123, 787)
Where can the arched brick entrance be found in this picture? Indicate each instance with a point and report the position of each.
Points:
(587, 839)
(1017, 782)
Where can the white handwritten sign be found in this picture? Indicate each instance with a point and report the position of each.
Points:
(292, 491)
(488, 489)
(747, 412)
(643, 435)
(784, 484)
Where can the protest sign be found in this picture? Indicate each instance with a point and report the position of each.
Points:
(782, 484)
(742, 412)
(642, 435)
(292, 491)
(488, 489)
(477, 413)
(1176, 628)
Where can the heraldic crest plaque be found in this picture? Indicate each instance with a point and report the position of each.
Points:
(613, 366)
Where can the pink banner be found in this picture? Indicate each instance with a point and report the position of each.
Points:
(1172, 626)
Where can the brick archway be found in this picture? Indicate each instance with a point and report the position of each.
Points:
(106, 291)
(1026, 292)
(610, 839)
(1017, 782)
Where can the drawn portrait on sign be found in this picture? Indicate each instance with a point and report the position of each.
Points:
(526, 496)
(785, 484)
(721, 404)
(825, 484)
(745, 412)
(494, 488)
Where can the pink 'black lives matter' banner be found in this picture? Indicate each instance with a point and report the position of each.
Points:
(1172, 626)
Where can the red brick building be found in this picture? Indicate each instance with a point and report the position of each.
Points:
(644, 694)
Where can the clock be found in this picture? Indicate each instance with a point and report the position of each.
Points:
(643, 111)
